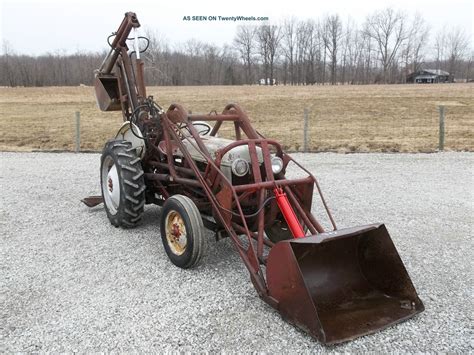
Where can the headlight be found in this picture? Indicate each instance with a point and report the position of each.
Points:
(240, 167)
(277, 165)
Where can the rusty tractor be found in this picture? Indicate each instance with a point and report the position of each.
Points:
(336, 285)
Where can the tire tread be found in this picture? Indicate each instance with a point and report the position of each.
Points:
(132, 197)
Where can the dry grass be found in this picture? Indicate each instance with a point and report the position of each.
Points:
(342, 118)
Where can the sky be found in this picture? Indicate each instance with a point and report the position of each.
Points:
(37, 27)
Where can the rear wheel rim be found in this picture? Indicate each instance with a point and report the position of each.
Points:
(110, 185)
(176, 232)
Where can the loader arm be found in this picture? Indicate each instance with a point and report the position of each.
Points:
(335, 285)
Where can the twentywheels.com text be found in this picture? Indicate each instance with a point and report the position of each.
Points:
(225, 18)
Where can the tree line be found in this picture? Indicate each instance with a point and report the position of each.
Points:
(385, 48)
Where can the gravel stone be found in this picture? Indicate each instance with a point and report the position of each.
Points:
(71, 282)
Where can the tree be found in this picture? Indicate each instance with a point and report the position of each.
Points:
(289, 42)
(457, 43)
(451, 48)
(6, 65)
(158, 66)
(244, 42)
(388, 30)
(312, 50)
(419, 36)
(346, 49)
(440, 47)
(269, 37)
(413, 50)
(332, 37)
(385, 48)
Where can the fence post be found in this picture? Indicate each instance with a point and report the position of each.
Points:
(305, 130)
(78, 131)
(441, 128)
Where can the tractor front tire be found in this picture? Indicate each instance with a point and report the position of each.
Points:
(182, 232)
(122, 184)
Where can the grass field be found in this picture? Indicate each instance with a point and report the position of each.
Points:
(394, 118)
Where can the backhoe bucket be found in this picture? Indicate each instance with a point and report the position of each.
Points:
(341, 285)
(107, 93)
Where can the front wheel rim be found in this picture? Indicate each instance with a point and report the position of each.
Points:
(176, 233)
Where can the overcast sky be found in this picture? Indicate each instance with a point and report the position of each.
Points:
(36, 27)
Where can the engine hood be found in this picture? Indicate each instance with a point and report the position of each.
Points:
(214, 144)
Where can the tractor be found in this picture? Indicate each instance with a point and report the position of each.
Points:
(217, 172)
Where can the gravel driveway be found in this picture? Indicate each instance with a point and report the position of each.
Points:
(72, 282)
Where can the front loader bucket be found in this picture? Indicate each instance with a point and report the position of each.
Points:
(341, 285)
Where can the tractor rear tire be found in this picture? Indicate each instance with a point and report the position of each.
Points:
(182, 232)
(122, 183)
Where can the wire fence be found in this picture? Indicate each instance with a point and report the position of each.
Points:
(443, 127)
(440, 129)
(375, 118)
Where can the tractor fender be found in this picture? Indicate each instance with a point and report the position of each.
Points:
(135, 137)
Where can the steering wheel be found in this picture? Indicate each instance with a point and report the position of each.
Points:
(205, 128)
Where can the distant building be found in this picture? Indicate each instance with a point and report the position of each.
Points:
(429, 76)
(268, 82)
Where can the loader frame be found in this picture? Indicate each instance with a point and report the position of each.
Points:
(227, 200)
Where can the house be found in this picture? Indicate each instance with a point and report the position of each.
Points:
(268, 82)
(429, 76)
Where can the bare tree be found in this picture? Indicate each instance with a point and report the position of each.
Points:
(6, 65)
(213, 60)
(244, 42)
(457, 43)
(300, 52)
(419, 36)
(367, 57)
(312, 50)
(440, 48)
(413, 49)
(470, 67)
(333, 34)
(289, 42)
(385, 49)
(347, 43)
(352, 53)
(451, 47)
(269, 37)
(322, 34)
(263, 50)
(157, 58)
(388, 29)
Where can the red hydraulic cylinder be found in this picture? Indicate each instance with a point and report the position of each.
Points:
(288, 213)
